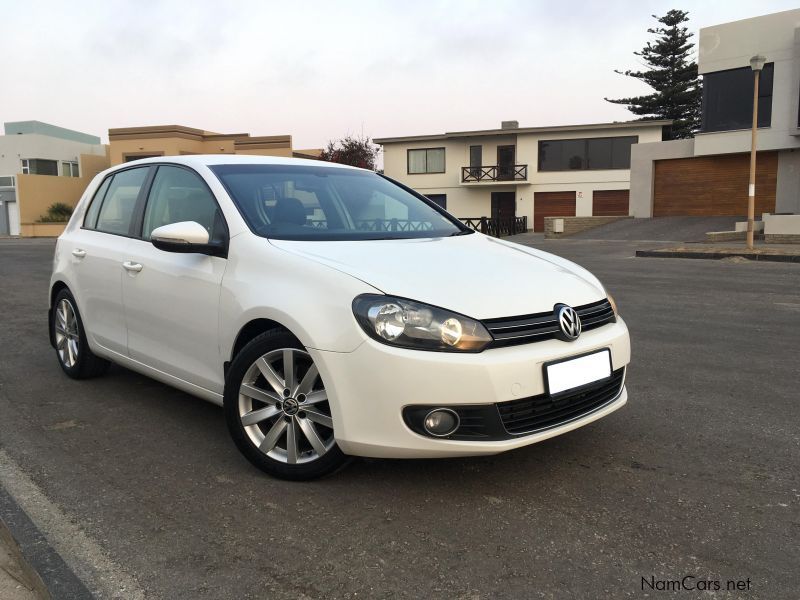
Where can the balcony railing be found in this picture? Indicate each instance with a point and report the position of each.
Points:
(494, 173)
(497, 227)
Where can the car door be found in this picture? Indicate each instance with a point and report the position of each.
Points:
(172, 299)
(98, 251)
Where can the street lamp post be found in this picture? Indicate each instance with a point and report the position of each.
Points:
(756, 63)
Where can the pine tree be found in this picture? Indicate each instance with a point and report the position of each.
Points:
(672, 74)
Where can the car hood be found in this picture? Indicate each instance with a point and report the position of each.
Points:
(475, 275)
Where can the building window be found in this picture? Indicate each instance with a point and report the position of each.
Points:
(586, 153)
(39, 166)
(438, 199)
(728, 99)
(7, 181)
(426, 160)
(69, 169)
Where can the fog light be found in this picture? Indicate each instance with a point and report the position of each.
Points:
(441, 422)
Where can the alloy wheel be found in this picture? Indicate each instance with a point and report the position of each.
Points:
(283, 407)
(67, 335)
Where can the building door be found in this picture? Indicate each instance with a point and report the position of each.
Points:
(713, 185)
(610, 203)
(7, 205)
(4, 229)
(506, 156)
(552, 204)
(503, 205)
(475, 161)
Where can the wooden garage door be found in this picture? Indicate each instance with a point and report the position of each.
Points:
(713, 185)
(610, 203)
(552, 204)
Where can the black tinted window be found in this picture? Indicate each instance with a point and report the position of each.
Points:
(728, 99)
(116, 213)
(586, 153)
(328, 203)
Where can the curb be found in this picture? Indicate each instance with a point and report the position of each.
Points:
(717, 255)
(39, 558)
(31, 578)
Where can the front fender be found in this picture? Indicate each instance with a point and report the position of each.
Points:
(309, 299)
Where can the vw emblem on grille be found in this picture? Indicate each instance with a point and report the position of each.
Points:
(568, 322)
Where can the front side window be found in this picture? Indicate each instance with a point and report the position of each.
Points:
(728, 99)
(179, 195)
(426, 160)
(586, 153)
(292, 202)
(119, 203)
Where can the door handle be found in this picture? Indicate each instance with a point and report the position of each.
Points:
(79, 253)
(132, 266)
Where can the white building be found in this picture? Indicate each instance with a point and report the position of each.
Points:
(36, 148)
(531, 172)
(709, 175)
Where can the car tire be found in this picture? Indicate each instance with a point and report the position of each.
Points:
(281, 424)
(69, 336)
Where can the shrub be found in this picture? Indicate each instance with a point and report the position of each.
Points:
(58, 212)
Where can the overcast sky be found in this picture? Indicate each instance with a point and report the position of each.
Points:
(320, 70)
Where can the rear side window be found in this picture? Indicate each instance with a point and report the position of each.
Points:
(119, 203)
(90, 220)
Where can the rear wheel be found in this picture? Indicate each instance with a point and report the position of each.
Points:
(69, 335)
(277, 409)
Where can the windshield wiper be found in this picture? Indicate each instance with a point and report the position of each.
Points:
(462, 232)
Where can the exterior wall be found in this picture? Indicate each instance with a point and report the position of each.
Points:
(122, 150)
(573, 225)
(35, 193)
(474, 200)
(787, 195)
(642, 179)
(13, 148)
(92, 164)
(731, 46)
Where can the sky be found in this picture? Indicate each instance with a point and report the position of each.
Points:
(323, 70)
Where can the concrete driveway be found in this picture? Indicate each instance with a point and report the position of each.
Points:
(139, 489)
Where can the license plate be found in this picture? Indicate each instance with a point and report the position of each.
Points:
(572, 373)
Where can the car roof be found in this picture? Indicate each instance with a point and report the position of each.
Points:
(194, 160)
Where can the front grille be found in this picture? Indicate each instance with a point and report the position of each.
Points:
(510, 331)
(528, 415)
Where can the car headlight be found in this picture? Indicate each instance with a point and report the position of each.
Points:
(409, 324)
(613, 303)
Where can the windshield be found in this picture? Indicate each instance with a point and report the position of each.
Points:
(294, 202)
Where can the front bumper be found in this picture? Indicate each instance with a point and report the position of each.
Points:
(369, 388)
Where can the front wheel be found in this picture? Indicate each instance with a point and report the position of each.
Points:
(277, 409)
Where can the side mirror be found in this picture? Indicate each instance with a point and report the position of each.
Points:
(185, 237)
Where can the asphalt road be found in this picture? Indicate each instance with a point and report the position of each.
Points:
(142, 492)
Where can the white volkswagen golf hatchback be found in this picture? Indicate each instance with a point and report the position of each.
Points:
(331, 311)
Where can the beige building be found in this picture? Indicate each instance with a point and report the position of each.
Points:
(530, 172)
(131, 143)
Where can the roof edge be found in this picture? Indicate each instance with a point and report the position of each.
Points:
(550, 128)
